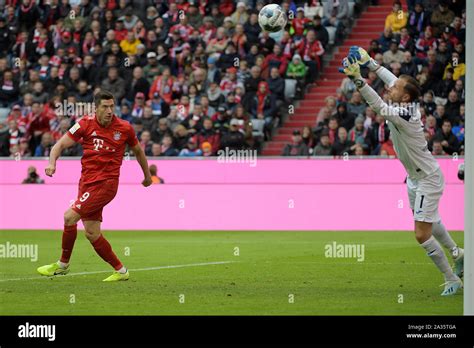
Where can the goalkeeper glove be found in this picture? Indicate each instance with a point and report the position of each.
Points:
(352, 71)
(359, 55)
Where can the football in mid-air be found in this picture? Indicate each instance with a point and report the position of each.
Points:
(272, 18)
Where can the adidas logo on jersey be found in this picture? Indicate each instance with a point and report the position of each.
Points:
(78, 206)
(94, 134)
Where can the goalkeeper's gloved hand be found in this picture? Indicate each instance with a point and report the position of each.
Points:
(359, 55)
(352, 71)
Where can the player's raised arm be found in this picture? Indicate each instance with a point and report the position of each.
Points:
(63, 143)
(360, 55)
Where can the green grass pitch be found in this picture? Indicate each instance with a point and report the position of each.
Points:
(275, 273)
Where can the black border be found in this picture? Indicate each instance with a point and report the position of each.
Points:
(224, 330)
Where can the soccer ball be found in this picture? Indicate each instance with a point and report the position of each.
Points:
(272, 18)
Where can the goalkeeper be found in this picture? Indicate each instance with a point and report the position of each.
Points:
(425, 181)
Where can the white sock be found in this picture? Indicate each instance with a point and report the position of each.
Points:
(63, 265)
(122, 270)
(437, 255)
(442, 235)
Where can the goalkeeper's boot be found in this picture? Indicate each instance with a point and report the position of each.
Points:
(52, 270)
(451, 287)
(458, 257)
(117, 276)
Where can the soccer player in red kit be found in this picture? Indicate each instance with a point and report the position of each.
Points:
(104, 138)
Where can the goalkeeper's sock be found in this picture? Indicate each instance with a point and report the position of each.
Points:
(437, 255)
(442, 235)
(68, 240)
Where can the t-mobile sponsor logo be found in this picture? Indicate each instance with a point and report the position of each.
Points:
(98, 143)
(37, 331)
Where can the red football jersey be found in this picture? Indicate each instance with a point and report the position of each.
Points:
(104, 147)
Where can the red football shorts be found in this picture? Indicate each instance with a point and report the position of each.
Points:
(93, 197)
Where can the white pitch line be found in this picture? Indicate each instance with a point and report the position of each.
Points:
(131, 270)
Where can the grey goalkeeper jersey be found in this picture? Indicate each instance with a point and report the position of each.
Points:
(406, 130)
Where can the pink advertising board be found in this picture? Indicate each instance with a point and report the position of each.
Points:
(275, 194)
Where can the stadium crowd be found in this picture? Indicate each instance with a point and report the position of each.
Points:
(428, 43)
(192, 77)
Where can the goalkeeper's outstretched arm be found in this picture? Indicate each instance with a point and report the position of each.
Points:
(389, 112)
(363, 58)
(386, 75)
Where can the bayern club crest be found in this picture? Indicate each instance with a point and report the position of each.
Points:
(117, 135)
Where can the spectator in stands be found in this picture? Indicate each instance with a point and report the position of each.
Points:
(276, 85)
(435, 68)
(209, 135)
(342, 146)
(15, 134)
(299, 23)
(442, 17)
(406, 43)
(321, 32)
(428, 103)
(393, 54)
(387, 149)
(438, 149)
(448, 140)
(275, 60)
(324, 146)
(9, 89)
(264, 103)
(459, 88)
(114, 84)
(374, 48)
(145, 142)
(314, 8)
(430, 126)
(442, 53)
(308, 138)
(408, 66)
(297, 147)
(44, 148)
(378, 134)
(297, 70)
(397, 19)
(234, 139)
(425, 43)
(191, 149)
(167, 147)
(452, 107)
(330, 109)
(356, 105)
(418, 20)
(344, 118)
(457, 64)
(240, 16)
(395, 67)
(358, 133)
(311, 50)
(385, 39)
(336, 15)
(332, 128)
(459, 30)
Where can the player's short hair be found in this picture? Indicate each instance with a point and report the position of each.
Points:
(103, 95)
(412, 87)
